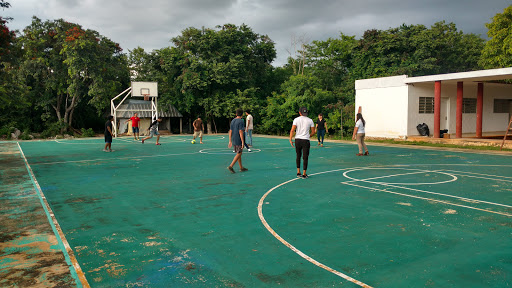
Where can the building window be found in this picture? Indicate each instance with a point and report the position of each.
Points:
(501, 105)
(426, 105)
(469, 105)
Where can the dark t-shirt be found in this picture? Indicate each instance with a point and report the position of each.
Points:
(153, 126)
(199, 124)
(237, 124)
(108, 124)
(321, 124)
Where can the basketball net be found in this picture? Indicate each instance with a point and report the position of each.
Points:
(146, 97)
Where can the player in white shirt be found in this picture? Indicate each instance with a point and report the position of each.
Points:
(304, 128)
(359, 133)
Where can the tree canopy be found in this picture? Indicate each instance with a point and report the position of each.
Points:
(61, 72)
(497, 52)
(65, 65)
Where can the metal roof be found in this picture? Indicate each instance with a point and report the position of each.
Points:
(143, 109)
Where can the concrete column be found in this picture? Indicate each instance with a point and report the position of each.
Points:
(479, 109)
(460, 96)
(437, 109)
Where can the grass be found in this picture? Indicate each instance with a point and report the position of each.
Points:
(429, 144)
(416, 143)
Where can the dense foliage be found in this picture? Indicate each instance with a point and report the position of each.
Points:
(58, 75)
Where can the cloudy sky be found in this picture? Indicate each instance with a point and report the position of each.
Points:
(150, 24)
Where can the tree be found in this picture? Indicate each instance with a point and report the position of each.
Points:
(66, 65)
(217, 63)
(497, 52)
(299, 90)
(415, 50)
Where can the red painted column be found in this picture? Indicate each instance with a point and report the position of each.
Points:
(460, 96)
(479, 109)
(437, 109)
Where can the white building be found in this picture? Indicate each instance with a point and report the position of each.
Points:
(474, 102)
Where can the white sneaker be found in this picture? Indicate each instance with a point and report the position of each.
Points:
(249, 149)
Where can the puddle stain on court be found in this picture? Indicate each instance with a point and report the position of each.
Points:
(279, 279)
(30, 255)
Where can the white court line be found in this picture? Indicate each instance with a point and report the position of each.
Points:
(300, 253)
(64, 142)
(446, 195)
(480, 177)
(224, 151)
(429, 199)
(454, 178)
(59, 234)
(479, 174)
(110, 159)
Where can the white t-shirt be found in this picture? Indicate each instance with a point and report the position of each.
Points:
(303, 124)
(360, 126)
(249, 125)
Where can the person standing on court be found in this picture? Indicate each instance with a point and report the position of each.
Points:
(304, 128)
(108, 134)
(198, 129)
(135, 126)
(236, 139)
(321, 128)
(359, 133)
(248, 128)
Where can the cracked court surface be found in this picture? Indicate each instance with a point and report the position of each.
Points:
(172, 215)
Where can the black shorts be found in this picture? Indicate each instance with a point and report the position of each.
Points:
(108, 138)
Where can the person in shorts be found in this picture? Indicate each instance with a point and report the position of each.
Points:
(108, 134)
(198, 129)
(236, 140)
(135, 126)
(153, 130)
(304, 128)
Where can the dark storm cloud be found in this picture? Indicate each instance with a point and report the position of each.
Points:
(152, 23)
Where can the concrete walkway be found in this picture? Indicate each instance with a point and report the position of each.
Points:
(30, 254)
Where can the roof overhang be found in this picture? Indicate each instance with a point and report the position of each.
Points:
(473, 76)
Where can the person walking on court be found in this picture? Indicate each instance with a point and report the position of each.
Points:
(248, 128)
(321, 128)
(153, 130)
(236, 140)
(304, 128)
(108, 134)
(359, 133)
(135, 126)
(198, 129)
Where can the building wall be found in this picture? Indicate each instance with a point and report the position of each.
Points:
(491, 121)
(384, 106)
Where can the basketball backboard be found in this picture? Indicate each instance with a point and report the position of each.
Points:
(141, 89)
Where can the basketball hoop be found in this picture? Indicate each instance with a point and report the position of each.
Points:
(146, 97)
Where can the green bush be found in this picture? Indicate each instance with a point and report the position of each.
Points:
(25, 135)
(87, 133)
(7, 129)
(53, 129)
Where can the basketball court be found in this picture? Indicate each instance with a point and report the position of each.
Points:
(173, 215)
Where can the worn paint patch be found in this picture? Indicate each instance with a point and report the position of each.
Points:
(450, 211)
(30, 255)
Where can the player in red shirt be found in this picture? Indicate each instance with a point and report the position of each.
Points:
(135, 126)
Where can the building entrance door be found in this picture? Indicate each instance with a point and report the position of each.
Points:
(445, 114)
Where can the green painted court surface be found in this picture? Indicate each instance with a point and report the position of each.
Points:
(173, 215)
